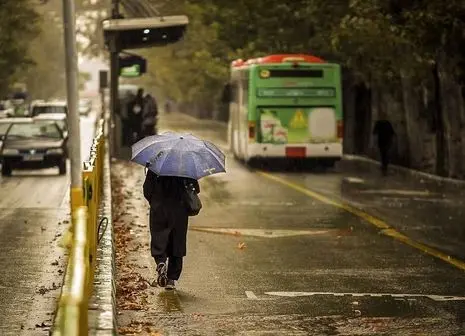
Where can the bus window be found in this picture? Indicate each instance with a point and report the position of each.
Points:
(292, 73)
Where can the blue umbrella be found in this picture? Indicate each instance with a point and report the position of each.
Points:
(174, 154)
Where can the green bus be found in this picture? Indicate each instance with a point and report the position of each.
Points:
(285, 106)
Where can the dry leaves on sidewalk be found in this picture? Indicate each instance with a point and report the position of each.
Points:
(139, 328)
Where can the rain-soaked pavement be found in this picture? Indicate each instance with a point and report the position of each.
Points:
(297, 253)
(33, 215)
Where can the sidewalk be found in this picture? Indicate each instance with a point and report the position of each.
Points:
(135, 269)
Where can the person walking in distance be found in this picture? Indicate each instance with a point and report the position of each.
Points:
(149, 116)
(168, 223)
(135, 110)
(385, 134)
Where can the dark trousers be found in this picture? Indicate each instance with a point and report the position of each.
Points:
(174, 266)
(384, 150)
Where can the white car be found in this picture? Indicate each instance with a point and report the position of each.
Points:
(56, 107)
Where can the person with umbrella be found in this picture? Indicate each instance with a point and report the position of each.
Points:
(174, 164)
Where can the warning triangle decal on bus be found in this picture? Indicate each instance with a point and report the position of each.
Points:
(299, 120)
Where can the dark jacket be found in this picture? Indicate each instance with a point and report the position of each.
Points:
(168, 216)
(135, 110)
(385, 132)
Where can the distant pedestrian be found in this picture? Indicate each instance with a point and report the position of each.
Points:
(385, 132)
(149, 116)
(135, 109)
(169, 105)
(168, 223)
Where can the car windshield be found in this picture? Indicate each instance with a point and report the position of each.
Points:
(61, 124)
(4, 128)
(48, 109)
(34, 130)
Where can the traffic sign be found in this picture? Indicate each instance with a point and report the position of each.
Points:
(131, 71)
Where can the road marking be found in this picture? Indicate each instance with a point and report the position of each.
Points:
(385, 229)
(260, 232)
(354, 180)
(439, 298)
(250, 295)
(397, 192)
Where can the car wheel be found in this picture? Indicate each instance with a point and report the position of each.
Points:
(6, 169)
(62, 167)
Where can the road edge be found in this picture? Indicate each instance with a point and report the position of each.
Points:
(102, 306)
(404, 170)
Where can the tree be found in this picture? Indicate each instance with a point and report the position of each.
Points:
(18, 25)
(45, 78)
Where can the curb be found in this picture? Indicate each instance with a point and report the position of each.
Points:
(405, 171)
(102, 306)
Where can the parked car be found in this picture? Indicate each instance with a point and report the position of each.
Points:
(49, 107)
(35, 144)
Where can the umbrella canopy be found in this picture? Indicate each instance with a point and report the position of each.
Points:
(174, 154)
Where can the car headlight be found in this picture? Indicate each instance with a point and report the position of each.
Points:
(10, 151)
(55, 151)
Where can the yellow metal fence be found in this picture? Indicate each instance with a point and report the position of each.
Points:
(81, 241)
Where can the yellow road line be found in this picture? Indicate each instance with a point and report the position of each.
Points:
(385, 229)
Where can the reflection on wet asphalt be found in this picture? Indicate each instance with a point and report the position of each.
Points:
(264, 259)
(33, 216)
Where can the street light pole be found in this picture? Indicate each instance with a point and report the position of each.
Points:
(114, 78)
(74, 143)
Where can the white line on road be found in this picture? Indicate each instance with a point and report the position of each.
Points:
(439, 298)
(354, 180)
(261, 232)
(397, 192)
(250, 295)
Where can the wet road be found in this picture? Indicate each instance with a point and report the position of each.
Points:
(33, 216)
(300, 253)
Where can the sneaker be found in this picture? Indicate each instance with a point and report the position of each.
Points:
(162, 278)
(170, 284)
(161, 268)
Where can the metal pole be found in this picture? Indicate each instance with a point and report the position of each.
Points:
(114, 77)
(74, 143)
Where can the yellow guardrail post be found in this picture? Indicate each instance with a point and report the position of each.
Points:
(72, 313)
(82, 239)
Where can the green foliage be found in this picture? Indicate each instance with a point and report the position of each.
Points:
(375, 39)
(18, 25)
(46, 77)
